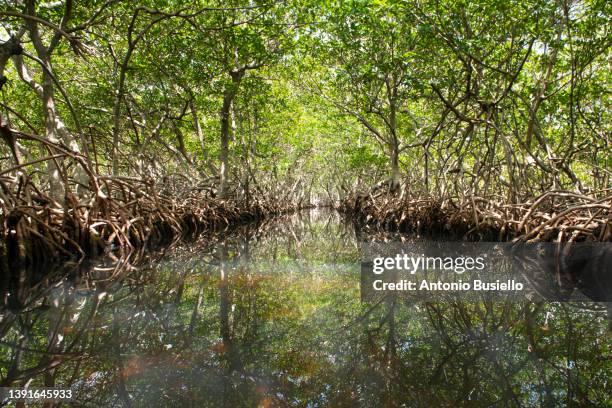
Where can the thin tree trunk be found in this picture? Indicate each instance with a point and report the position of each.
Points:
(228, 98)
(117, 111)
(198, 128)
(395, 170)
(394, 181)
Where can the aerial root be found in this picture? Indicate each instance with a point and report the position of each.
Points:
(559, 216)
(126, 214)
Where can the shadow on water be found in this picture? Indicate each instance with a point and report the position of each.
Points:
(271, 315)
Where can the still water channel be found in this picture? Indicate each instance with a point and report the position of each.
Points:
(272, 315)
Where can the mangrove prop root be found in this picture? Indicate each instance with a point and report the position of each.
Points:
(553, 216)
(119, 213)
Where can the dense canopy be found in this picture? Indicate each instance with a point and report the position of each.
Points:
(447, 97)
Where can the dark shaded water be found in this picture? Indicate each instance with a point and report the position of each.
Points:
(272, 316)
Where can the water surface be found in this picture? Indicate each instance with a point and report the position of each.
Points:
(272, 315)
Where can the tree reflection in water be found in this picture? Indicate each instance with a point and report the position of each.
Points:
(272, 316)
